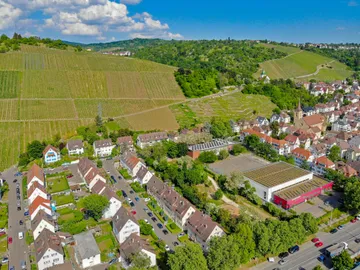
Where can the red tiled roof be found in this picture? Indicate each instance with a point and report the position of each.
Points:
(130, 160)
(35, 186)
(35, 171)
(291, 138)
(301, 153)
(325, 161)
(124, 140)
(47, 148)
(314, 119)
(346, 169)
(37, 202)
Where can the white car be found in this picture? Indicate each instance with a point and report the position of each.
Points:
(147, 199)
(358, 217)
(167, 248)
(2, 230)
(146, 221)
(21, 235)
(128, 199)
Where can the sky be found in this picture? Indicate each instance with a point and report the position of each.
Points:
(90, 21)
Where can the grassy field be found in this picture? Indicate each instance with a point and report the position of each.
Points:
(235, 106)
(301, 63)
(57, 183)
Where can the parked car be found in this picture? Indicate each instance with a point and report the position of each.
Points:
(132, 204)
(357, 240)
(146, 209)
(340, 227)
(165, 232)
(333, 231)
(21, 235)
(12, 268)
(181, 234)
(160, 226)
(353, 220)
(124, 193)
(283, 255)
(167, 248)
(10, 240)
(314, 240)
(5, 260)
(15, 180)
(133, 212)
(358, 217)
(19, 208)
(175, 243)
(131, 192)
(282, 262)
(119, 177)
(146, 221)
(319, 244)
(294, 249)
(146, 199)
(69, 176)
(321, 258)
(23, 265)
(21, 222)
(26, 213)
(2, 230)
(154, 219)
(18, 185)
(137, 199)
(150, 214)
(2, 233)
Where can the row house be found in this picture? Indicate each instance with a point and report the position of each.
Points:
(41, 222)
(324, 108)
(293, 141)
(280, 118)
(353, 98)
(318, 150)
(308, 111)
(35, 174)
(75, 147)
(103, 148)
(143, 176)
(125, 143)
(131, 163)
(39, 204)
(124, 224)
(302, 156)
(331, 117)
(144, 140)
(36, 190)
(89, 173)
(352, 154)
(321, 164)
(262, 121)
(346, 169)
(48, 250)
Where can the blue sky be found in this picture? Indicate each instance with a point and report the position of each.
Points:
(107, 20)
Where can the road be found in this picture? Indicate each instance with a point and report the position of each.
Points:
(18, 250)
(306, 258)
(140, 205)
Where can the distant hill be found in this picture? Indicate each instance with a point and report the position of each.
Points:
(303, 65)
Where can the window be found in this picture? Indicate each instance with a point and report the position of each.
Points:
(265, 195)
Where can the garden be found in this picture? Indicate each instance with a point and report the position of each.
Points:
(125, 174)
(63, 199)
(57, 183)
(72, 221)
(107, 243)
(3, 215)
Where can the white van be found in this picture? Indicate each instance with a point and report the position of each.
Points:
(21, 235)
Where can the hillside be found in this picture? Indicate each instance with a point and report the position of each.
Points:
(303, 65)
(44, 92)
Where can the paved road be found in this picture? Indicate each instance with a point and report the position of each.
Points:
(139, 206)
(306, 258)
(18, 250)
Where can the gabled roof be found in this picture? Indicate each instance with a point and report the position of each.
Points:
(75, 144)
(35, 186)
(98, 187)
(346, 169)
(39, 201)
(85, 165)
(86, 246)
(301, 153)
(64, 266)
(41, 215)
(124, 140)
(155, 136)
(47, 240)
(103, 143)
(325, 161)
(133, 245)
(35, 171)
(142, 172)
(291, 138)
(314, 119)
(202, 225)
(109, 194)
(130, 160)
(50, 147)
(121, 217)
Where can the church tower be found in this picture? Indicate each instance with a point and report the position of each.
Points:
(298, 112)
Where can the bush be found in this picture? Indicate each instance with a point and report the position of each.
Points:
(218, 194)
(207, 157)
(137, 187)
(238, 149)
(223, 154)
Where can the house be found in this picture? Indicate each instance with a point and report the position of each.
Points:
(75, 147)
(35, 174)
(264, 78)
(235, 127)
(143, 176)
(149, 139)
(305, 140)
(355, 142)
(39, 204)
(114, 203)
(98, 188)
(51, 154)
(64, 266)
(318, 150)
(131, 163)
(89, 173)
(125, 143)
(103, 148)
(174, 205)
(87, 253)
(280, 118)
(262, 121)
(308, 111)
(321, 164)
(344, 147)
(201, 229)
(293, 141)
(341, 125)
(134, 245)
(36, 190)
(302, 156)
(352, 154)
(41, 222)
(215, 146)
(124, 224)
(346, 169)
(48, 250)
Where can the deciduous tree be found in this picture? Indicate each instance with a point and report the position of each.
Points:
(187, 257)
(343, 261)
(95, 205)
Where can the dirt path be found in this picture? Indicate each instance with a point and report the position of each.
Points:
(318, 68)
(224, 198)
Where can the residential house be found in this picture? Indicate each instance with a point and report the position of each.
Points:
(149, 139)
(143, 176)
(114, 203)
(235, 127)
(262, 121)
(201, 229)
(35, 174)
(352, 154)
(318, 150)
(51, 154)
(36, 190)
(329, 142)
(134, 245)
(124, 224)
(125, 143)
(321, 164)
(293, 141)
(341, 125)
(48, 250)
(98, 188)
(305, 140)
(75, 147)
(302, 156)
(280, 118)
(131, 163)
(39, 204)
(103, 148)
(174, 205)
(87, 253)
(41, 222)
(355, 142)
(308, 111)
(89, 172)
(344, 147)
(64, 266)
(346, 169)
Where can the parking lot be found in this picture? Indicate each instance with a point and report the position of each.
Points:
(243, 162)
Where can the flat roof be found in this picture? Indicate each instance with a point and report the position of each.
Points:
(297, 190)
(275, 174)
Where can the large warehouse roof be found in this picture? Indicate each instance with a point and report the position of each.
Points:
(276, 174)
(297, 190)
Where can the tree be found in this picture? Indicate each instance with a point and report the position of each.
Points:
(343, 261)
(233, 182)
(309, 222)
(35, 149)
(187, 257)
(172, 149)
(99, 163)
(207, 157)
(140, 261)
(335, 153)
(182, 149)
(223, 154)
(24, 159)
(318, 267)
(145, 229)
(218, 194)
(95, 205)
(252, 142)
(98, 121)
(237, 149)
(274, 126)
(352, 195)
(220, 129)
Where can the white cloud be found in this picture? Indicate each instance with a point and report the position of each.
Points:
(155, 24)
(8, 15)
(137, 26)
(163, 35)
(352, 3)
(141, 16)
(80, 29)
(131, 2)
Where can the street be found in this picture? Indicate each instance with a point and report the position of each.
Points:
(140, 205)
(18, 250)
(306, 258)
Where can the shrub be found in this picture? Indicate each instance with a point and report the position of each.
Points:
(218, 194)
(207, 157)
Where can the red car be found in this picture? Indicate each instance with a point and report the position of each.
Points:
(2, 233)
(69, 176)
(319, 244)
(133, 212)
(353, 220)
(314, 240)
(9, 240)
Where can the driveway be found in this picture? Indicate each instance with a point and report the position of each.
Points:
(140, 205)
(18, 250)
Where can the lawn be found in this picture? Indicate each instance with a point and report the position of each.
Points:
(125, 174)
(63, 199)
(173, 228)
(57, 183)
(106, 242)
(3, 245)
(280, 48)
(3, 215)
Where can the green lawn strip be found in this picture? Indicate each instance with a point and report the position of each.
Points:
(3, 215)
(125, 174)
(184, 238)
(336, 213)
(106, 243)
(137, 187)
(24, 187)
(337, 224)
(156, 210)
(3, 246)
(57, 183)
(173, 228)
(63, 199)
